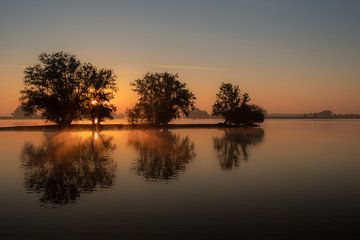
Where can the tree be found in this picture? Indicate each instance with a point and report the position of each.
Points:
(99, 90)
(234, 108)
(162, 97)
(227, 100)
(60, 88)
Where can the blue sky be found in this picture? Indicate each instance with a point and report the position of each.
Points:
(291, 56)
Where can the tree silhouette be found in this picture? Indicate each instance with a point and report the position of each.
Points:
(234, 108)
(227, 100)
(60, 88)
(100, 88)
(232, 148)
(162, 155)
(66, 164)
(162, 97)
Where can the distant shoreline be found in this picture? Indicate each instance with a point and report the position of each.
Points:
(12, 118)
(269, 117)
(85, 127)
(314, 118)
(122, 126)
(354, 116)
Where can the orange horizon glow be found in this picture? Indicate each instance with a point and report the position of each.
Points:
(275, 98)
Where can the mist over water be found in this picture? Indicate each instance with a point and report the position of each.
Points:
(289, 178)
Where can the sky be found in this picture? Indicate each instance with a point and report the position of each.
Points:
(290, 56)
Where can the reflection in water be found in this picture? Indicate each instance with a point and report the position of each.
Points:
(162, 155)
(67, 164)
(233, 146)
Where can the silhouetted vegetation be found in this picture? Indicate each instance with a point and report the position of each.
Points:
(324, 114)
(162, 155)
(66, 164)
(62, 89)
(232, 148)
(199, 114)
(234, 107)
(162, 97)
(20, 114)
(100, 88)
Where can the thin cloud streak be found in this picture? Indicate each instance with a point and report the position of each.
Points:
(189, 67)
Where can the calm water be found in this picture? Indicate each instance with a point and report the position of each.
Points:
(288, 179)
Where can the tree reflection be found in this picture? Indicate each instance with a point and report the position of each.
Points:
(67, 164)
(162, 155)
(232, 148)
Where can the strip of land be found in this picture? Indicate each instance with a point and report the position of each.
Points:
(86, 127)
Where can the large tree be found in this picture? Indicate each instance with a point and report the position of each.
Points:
(227, 100)
(99, 90)
(162, 97)
(234, 107)
(60, 88)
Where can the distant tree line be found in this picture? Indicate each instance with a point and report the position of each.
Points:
(325, 114)
(199, 114)
(62, 90)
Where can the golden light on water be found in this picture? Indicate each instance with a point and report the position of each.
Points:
(95, 136)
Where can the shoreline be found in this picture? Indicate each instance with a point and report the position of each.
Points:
(87, 127)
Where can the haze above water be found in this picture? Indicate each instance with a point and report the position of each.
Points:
(287, 179)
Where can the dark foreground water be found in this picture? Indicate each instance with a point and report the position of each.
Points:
(289, 179)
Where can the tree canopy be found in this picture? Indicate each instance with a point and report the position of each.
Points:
(61, 89)
(100, 85)
(234, 107)
(162, 97)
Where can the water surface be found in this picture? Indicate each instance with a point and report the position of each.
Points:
(288, 179)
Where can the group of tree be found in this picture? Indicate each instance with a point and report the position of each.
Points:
(162, 97)
(234, 107)
(62, 89)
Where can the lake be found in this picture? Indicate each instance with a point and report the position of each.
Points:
(288, 179)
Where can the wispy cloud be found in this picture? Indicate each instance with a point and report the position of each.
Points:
(192, 67)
